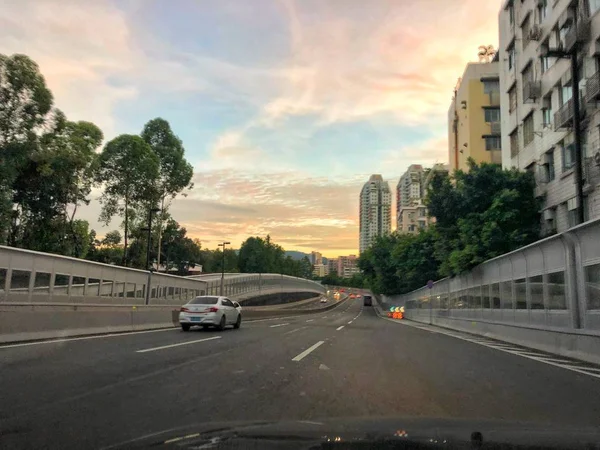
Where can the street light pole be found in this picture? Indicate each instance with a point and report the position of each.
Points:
(223, 244)
(149, 230)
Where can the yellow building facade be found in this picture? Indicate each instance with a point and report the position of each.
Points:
(474, 117)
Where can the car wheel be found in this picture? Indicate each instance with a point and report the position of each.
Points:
(185, 326)
(238, 322)
(222, 323)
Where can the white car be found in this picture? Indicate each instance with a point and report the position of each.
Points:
(323, 299)
(208, 311)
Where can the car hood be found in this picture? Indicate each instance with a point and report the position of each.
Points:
(384, 433)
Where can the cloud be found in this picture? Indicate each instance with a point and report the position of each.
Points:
(378, 57)
(349, 88)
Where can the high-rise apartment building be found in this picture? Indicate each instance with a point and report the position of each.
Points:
(316, 258)
(320, 270)
(411, 212)
(474, 116)
(537, 102)
(347, 266)
(332, 264)
(409, 194)
(375, 211)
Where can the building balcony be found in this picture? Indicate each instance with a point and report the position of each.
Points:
(577, 34)
(563, 118)
(532, 91)
(592, 87)
(591, 172)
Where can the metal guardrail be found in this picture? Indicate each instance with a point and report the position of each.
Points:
(552, 284)
(30, 277)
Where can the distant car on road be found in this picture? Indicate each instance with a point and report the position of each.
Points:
(368, 300)
(208, 311)
(323, 299)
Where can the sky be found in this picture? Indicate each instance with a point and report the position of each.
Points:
(285, 107)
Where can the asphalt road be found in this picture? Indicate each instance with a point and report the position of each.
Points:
(91, 393)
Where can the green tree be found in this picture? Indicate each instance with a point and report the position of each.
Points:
(112, 238)
(108, 250)
(175, 173)
(258, 255)
(128, 169)
(50, 186)
(25, 108)
(481, 214)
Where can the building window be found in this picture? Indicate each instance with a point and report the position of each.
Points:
(527, 73)
(572, 212)
(594, 6)
(525, 32)
(568, 154)
(547, 117)
(528, 130)
(511, 15)
(514, 143)
(512, 98)
(566, 94)
(511, 56)
(542, 10)
(422, 212)
(546, 62)
(492, 114)
(493, 143)
(549, 165)
(491, 86)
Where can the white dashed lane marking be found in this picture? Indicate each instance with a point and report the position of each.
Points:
(307, 351)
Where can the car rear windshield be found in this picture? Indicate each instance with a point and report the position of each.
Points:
(204, 301)
(367, 297)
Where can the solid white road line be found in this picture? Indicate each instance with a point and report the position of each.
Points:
(177, 345)
(310, 320)
(515, 352)
(279, 325)
(84, 338)
(339, 328)
(350, 322)
(307, 351)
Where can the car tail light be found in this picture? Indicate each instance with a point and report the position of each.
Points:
(212, 309)
(184, 310)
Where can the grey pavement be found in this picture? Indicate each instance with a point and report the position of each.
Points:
(100, 391)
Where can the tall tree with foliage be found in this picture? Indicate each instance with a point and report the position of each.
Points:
(481, 214)
(25, 108)
(128, 169)
(56, 179)
(175, 173)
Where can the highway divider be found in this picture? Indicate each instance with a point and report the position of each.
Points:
(28, 322)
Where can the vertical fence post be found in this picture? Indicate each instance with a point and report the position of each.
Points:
(148, 287)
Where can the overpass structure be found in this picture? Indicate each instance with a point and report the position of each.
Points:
(44, 295)
(544, 296)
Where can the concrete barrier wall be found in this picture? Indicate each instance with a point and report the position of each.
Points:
(28, 322)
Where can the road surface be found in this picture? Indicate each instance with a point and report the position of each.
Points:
(347, 362)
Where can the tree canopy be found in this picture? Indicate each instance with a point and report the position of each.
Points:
(479, 214)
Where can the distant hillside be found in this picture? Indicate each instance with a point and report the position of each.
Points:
(295, 254)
